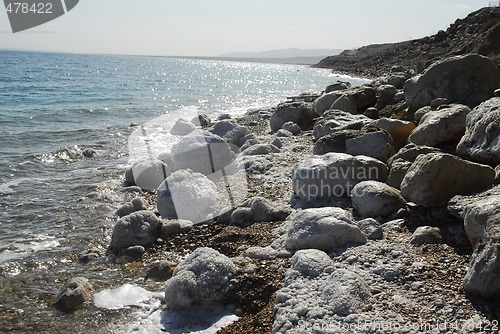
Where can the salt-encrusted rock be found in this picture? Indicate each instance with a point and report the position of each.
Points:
(137, 204)
(399, 168)
(74, 294)
(323, 229)
(335, 120)
(187, 195)
(469, 79)
(202, 152)
(378, 145)
(426, 235)
(371, 228)
(261, 253)
(441, 127)
(311, 262)
(435, 178)
(410, 152)
(200, 281)
(481, 141)
(138, 228)
(334, 174)
(292, 127)
(258, 209)
(261, 149)
(315, 293)
(346, 292)
(301, 113)
(230, 131)
(399, 130)
(385, 96)
(182, 127)
(147, 174)
(346, 103)
(374, 199)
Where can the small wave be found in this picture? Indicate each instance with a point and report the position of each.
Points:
(24, 248)
(6, 188)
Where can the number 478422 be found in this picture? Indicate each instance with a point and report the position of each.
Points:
(25, 8)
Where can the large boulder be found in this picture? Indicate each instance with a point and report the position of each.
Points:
(469, 79)
(481, 141)
(441, 127)
(202, 152)
(398, 129)
(182, 127)
(375, 144)
(334, 142)
(323, 229)
(137, 229)
(301, 113)
(435, 178)
(374, 199)
(187, 195)
(200, 281)
(411, 151)
(334, 174)
(481, 214)
(353, 100)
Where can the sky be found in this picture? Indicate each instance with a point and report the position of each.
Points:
(214, 27)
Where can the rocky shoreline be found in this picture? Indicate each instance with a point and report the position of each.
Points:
(329, 216)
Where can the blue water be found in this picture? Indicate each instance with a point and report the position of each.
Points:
(54, 203)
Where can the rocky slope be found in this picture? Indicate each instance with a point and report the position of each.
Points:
(478, 33)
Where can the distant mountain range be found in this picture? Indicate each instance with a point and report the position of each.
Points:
(284, 53)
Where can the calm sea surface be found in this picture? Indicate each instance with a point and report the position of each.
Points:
(54, 203)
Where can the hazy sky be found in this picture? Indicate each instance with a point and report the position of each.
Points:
(212, 27)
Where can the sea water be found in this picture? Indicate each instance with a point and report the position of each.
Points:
(54, 201)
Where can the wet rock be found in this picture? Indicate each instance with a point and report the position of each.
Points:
(470, 80)
(374, 199)
(138, 228)
(131, 254)
(301, 113)
(258, 209)
(292, 127)
(323, 229)
(74, 294)
(182, 127)
(89, 153)
(161, 272)
(441, 127)
(137, 204)
(186, 195)
(89, 255)
(435, 178)
(371, 228)
(200, 281)
(426, 235)
(202, 152)
(261, 149)
(334, 174)
(481, 141)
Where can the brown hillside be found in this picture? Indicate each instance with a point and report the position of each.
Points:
(479, 33)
